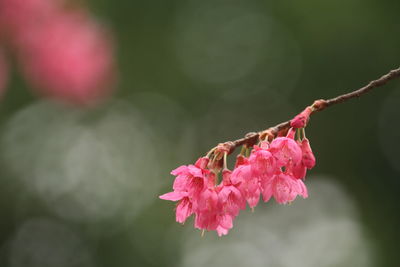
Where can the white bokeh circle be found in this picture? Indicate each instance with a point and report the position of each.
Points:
(321, 231)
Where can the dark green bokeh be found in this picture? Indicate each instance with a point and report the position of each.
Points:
(340, 45)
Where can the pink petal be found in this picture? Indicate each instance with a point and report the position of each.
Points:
(226, 221)
(183, 210)
(202, 162)
(180, 170)
(222, 231)
(173, 196)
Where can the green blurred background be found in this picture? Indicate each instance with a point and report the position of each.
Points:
(79, 187)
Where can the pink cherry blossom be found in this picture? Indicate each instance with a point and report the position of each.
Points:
(284, 188)
(262, 162)
(297, 170)
(189, 184)
(217, 206)
(214, 221)
(230, 197)
(70, 57)
(207, 210)
(285, 150)
(189, 179)
(272, 170)
(207, 200)
(248, 184)
(307, 161)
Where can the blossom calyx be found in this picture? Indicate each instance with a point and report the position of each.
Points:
(301, 120)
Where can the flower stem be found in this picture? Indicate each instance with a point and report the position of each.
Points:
(253, 137)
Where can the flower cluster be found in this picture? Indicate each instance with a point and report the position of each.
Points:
(272, 168)
(63, 52)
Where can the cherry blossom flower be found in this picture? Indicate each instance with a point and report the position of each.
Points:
(285, 150)
(207, 210)
(262, 162)
(284, 188)
(248, 184)
(299, 169)
(272, 163)
(230, 196)
(273, 169)
(189, 183)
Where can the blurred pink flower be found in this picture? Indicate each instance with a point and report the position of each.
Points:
(70, 57)
(17, 16)
(3, 72)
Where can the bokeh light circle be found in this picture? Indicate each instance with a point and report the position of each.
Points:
(323, 230)
(86, 166)
(219, 42)
(42, 242)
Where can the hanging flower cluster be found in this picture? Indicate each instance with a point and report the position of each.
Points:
(63, 52)
(275, 167)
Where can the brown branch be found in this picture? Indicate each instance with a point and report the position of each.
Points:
(252, 138)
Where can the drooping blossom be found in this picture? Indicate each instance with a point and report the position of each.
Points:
(285, 150)
(189, 183)
(272, 170)
(308, 158)
(247, 182)
(284, 188)
(230, 196)
(299, 169)
(223, 204)
(262, 161)
(207, 212)
(69, 58)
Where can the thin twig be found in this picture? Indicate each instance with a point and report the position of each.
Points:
(252, 138)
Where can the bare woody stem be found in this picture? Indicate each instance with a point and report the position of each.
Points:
(253, 137)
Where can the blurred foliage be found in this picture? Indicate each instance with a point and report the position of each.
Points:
(314, 49)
